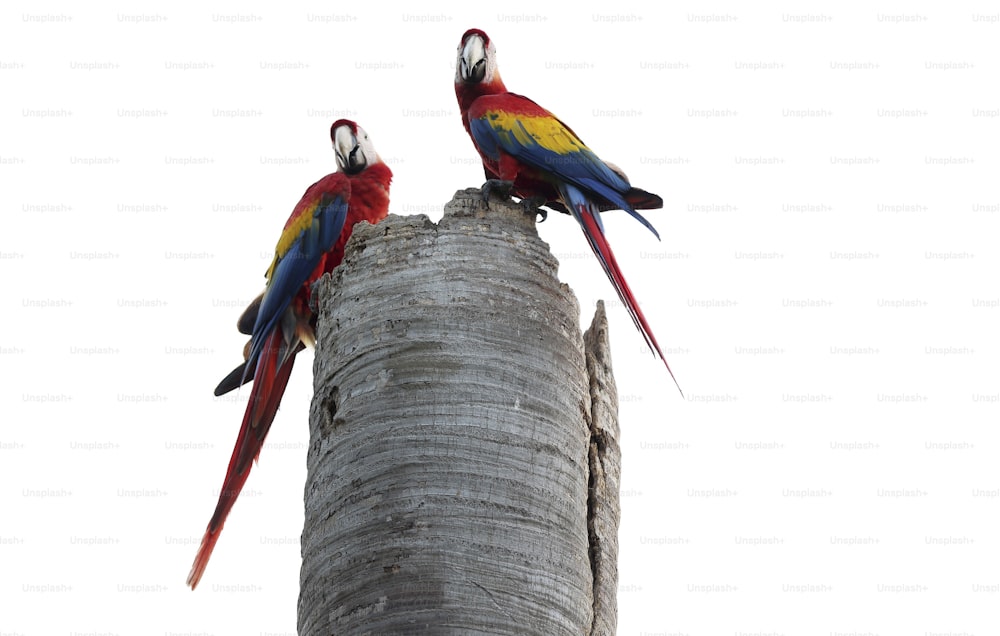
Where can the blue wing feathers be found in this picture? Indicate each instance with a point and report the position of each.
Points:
(581, 168)
(294, 268)
(486, 137)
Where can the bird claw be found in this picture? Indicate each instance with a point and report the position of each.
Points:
(532, 207)
(496, 185)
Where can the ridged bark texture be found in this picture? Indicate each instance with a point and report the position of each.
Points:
(605, 475)
(449, 486)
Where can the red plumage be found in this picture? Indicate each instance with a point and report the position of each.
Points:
(280, 321)
(544, 161)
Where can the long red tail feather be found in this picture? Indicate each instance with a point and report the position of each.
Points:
(265, 396)
(602, 249)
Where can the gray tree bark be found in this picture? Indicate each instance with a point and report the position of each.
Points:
(463, 462)
(605, 475)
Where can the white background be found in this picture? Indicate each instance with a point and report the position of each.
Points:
(826, 288)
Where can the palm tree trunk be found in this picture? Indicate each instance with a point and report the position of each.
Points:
(463, 463)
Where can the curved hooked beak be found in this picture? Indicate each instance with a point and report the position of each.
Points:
(350, 157)
(472, 63)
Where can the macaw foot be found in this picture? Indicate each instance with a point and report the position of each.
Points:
(532, 206)
(496, 185)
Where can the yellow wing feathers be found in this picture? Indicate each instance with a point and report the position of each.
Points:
(292, 231)
(547, 132)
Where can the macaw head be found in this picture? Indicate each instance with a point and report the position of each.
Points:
(352, 146)
(477, 59)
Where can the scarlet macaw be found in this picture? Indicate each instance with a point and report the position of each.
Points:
(279, 321)
(529, 152)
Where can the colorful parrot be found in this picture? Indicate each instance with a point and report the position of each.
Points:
(528, 152)
(279, 322)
